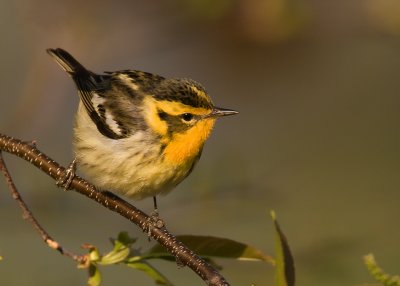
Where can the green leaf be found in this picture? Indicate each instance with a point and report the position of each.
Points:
(378, 274)
(125, 239)
(115, 256)
(284, 268)
(94, 275)
(120, 251)
(209, 246)
(150, 271)
(94, 254)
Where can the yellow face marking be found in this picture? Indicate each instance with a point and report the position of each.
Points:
(185, 146)
(151, 116)
(200, 93)
(178, 108)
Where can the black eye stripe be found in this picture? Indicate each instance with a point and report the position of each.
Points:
(162, 115)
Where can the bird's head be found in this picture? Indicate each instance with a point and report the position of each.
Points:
(181, 112)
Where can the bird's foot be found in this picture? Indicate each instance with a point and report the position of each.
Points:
(66, 178)
(156, 220)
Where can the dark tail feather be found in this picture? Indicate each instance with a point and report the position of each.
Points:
(67, 62)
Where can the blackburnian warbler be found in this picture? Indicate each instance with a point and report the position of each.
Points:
(137, 133)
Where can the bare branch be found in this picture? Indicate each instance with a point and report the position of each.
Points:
(30, 153)
(27, 214)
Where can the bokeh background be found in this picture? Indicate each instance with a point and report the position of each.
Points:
(317, 139)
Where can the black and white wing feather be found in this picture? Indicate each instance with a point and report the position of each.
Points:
(92, 90)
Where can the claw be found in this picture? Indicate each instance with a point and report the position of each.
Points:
(66, 179)
(156, 220)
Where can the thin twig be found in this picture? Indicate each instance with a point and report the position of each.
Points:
(30, 153)
(28, 215)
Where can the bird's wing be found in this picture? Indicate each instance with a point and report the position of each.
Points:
(92, 92)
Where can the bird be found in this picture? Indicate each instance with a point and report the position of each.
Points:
(136, 133)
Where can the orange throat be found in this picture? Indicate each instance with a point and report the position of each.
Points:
(184, 147)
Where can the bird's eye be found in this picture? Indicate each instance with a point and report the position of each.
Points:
(187, 117)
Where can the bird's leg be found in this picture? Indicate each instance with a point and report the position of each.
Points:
(65, 180)
(154, 213)
(155, 217)
(155, 220)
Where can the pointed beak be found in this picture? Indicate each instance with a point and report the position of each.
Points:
(218, 112)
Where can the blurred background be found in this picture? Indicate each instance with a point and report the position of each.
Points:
(317, 138)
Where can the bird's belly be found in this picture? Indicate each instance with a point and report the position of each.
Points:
(131, 171)
(133, 179)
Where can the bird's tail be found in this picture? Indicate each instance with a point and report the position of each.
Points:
(67, 62)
